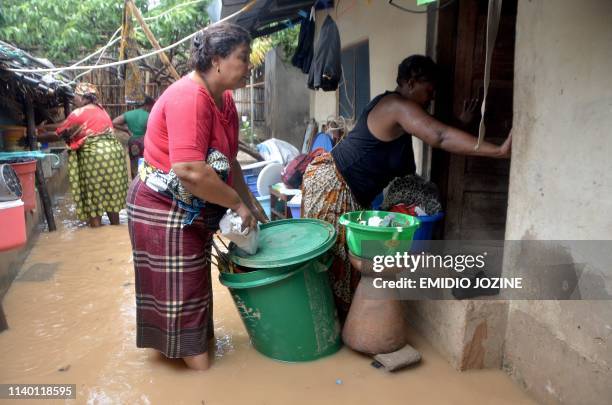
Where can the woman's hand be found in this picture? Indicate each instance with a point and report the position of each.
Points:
(41, 128)
(468, 112)
(248, 220)
(68, 134)
(506, 148)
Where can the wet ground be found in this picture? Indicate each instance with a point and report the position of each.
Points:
(72, 320)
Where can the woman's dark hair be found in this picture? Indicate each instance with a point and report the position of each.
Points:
(217, 40)
(90, 98)
(419, 68)
(148, 101)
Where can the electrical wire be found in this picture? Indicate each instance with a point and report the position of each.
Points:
(144, 56)
(440, 7)
(155, 17)
(112, 40)
(97, 62)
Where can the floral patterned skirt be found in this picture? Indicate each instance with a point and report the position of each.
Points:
(326, 196)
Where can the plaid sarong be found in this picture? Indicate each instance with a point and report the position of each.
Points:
(326, 196)
(172, 270)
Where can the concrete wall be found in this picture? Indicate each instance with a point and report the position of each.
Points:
(392, 35)
(11, 260)
(286, 100)
(469, 334)
(560, 350)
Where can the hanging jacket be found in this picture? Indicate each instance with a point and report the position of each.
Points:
(326, 69)
(302, 58)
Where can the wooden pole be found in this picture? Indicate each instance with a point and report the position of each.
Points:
(252, 107)
(152, 40)
(40, 178)
(250, 151)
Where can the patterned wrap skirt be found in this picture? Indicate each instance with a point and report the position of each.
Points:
(172, 271)
(326, 196)
(98, 176)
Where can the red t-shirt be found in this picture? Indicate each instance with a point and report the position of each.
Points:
(94, 119)
(185, 122)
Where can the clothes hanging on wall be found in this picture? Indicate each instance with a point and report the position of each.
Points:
(326, 68)
(302, 58)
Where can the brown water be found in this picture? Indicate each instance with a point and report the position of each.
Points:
(72, 320)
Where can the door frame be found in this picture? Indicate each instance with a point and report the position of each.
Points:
(441, 45)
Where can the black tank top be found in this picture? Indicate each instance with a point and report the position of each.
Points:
(369, 164)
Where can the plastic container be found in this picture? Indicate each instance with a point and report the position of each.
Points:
(286, 302)
(295, 210)
(265, 204)
(11, 135)
(380, 240)
(12, 223)
(251, 182)
(269, 175)
(251, 173)
(26, 171)
(10, 186)
(378, 201)
(423, 235)
(254, 168)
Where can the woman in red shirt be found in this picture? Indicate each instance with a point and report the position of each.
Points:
(190, 177)
(96, 161)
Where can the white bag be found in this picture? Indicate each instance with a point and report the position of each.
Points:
(277, 150)
(231, 228)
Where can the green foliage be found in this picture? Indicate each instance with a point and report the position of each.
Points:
(286, 40)
(175, 25)
(66, 30)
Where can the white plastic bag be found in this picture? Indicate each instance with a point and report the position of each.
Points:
(277, 150)
(231, 228)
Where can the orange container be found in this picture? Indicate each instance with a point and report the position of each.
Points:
(12, 224)
(12, 134)
(26, 172)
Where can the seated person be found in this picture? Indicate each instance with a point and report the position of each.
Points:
(328, 137)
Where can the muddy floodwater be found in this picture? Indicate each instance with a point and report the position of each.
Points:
(71, 319)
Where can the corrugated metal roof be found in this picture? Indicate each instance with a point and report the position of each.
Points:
(265, 15)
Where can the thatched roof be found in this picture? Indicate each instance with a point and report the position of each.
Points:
(44, 89)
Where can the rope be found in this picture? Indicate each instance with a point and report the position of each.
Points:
(493, 16)
(155, 17)
(109, 43)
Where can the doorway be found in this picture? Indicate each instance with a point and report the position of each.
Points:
(473, 190)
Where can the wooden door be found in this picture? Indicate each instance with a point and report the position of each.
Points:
(475, 190)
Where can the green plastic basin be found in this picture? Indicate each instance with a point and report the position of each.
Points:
(369, 241)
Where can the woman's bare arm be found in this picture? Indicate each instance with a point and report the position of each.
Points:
(120, 124)
(243, 190)
(202, 181)
(413, 119)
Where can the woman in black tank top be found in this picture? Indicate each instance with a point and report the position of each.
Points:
(376, 151)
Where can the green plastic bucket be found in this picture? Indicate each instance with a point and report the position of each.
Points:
(378, 240)
(287, 305)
